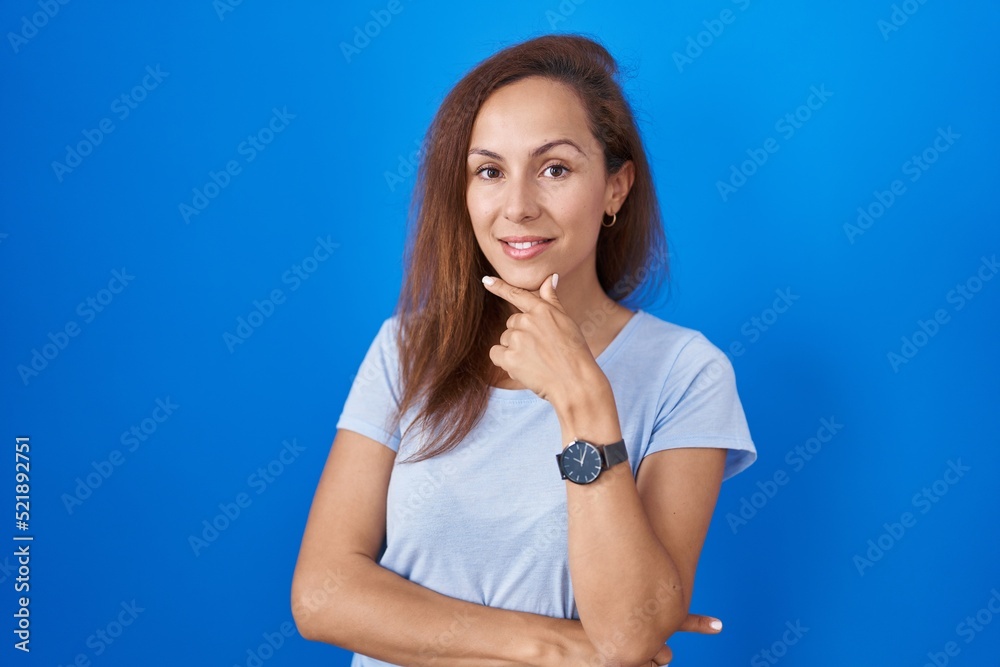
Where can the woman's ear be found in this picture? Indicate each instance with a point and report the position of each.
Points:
(619, 185)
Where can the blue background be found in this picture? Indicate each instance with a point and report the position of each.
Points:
(331, 174)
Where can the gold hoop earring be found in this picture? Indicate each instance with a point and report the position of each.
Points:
(614, 219)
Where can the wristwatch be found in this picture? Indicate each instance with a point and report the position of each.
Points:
(582, 462)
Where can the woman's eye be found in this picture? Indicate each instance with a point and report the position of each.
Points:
(561, 170)
(492, 172)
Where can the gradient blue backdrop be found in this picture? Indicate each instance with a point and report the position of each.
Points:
(710, 82)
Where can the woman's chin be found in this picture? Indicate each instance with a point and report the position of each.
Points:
(530, 281)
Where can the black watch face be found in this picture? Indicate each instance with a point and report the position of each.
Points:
(581, 462)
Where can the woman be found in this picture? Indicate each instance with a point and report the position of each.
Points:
(531, 450)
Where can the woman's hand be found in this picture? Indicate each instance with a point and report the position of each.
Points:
(693, 623)
(577, 649)
(542, 347)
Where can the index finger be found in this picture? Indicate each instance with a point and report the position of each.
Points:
(523, 299)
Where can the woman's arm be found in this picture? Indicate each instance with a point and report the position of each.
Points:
(632, 580)
(633, 577)
(341, 596)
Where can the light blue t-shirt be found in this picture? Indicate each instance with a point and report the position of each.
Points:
(486, 522)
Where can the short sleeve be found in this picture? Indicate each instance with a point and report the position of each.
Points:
(699, 407)
(373, 400)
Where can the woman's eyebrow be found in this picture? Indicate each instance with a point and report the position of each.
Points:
(544, 148)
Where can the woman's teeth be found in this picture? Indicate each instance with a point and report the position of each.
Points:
(522, 245)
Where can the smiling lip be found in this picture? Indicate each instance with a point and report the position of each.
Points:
(524, 253)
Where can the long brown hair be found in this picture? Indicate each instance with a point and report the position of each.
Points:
(447, 321)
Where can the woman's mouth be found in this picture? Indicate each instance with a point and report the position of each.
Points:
(525, 249)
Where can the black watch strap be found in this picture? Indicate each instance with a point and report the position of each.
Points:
(614, 453)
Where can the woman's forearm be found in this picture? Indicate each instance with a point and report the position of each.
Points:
(363, 607)
(627, 588)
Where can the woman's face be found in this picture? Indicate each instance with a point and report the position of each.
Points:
(535, 172)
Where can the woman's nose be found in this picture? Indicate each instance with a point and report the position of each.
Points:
(520, 200)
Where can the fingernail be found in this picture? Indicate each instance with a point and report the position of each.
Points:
(555, 280)
(716, 624)
(488, 280)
